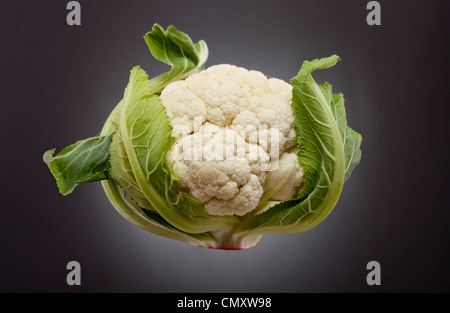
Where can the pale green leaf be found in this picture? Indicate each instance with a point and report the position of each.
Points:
(176, 49)
(145, 132)
(328, 152)
(84, 161)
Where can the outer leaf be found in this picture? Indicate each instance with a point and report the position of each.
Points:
(352, 144)
(84, 161)
(145, 132)
(328, 152)
(132, 204)
(176, 49)
(350, 139)
(150, 220)
(123, 174)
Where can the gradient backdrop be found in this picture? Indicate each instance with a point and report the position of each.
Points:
(59, 83)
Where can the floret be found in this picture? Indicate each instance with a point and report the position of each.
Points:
(231, 128)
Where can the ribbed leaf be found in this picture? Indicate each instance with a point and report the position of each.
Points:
(328, 152)
(176, 49)
(146, 135)
(84, 161)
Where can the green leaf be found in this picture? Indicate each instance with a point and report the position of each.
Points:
(350, 139)
(328, 151)
(84, 161)
(150, 220)
(125, 195)
(144, 131)
(176, 49)
(122, 172)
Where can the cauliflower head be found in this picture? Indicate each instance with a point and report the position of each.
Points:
(217, 157)
(233, 131)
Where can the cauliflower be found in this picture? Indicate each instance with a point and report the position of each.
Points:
(231, 109)
(217, 157)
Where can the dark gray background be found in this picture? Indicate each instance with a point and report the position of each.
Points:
(59, 83)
